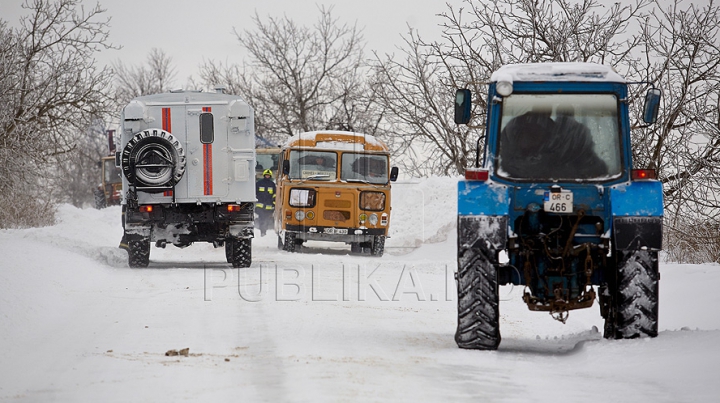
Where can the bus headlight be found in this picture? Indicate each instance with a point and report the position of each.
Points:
(299, 215)
(373, 219)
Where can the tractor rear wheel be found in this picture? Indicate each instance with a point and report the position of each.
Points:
(634, 297)
(478, 299)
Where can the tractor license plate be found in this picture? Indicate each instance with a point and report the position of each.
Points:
(558, 202)
(336, 231)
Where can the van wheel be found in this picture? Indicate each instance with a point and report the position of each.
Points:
(289, 244)
(241, 255)
(378, 245)
(138, 252)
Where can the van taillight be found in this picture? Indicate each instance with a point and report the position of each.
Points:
(640, 174)
(476, 174)
(233, 208)
(146, 209)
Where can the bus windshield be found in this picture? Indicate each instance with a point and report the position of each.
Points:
(559, 136)
(364, 168)
(315, 165)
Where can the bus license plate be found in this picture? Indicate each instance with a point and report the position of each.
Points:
(560, 202)
(336, 231)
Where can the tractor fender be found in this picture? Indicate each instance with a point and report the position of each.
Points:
(637, 215)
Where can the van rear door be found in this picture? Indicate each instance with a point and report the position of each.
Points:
(207, 163)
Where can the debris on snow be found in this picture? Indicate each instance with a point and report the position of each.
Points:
(172, 353)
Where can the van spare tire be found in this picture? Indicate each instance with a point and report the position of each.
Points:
(153, 158)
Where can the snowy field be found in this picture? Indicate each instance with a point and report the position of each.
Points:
(318, 326)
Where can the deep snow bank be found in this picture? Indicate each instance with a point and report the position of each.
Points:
(87, 232)
(78, 325)
(423, 211)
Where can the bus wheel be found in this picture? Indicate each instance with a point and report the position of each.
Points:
(378, 246)
(229, 250)
(289, 244)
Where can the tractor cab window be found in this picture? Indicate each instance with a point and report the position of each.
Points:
(111, 172)
(559, 137)
(314, 165)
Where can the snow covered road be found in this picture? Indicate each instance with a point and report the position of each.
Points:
(78, 325)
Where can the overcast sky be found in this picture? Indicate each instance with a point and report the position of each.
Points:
(190, 31)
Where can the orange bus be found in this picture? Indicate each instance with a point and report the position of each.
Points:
(334, 186)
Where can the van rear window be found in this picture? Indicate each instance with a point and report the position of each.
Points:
(207, 128)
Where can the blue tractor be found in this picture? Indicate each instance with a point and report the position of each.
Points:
(555, 204)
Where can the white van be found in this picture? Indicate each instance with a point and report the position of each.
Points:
(187, 160)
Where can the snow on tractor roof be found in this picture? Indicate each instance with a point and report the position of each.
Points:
(582, 72)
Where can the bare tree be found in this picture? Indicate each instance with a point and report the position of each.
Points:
(80, 172)
(155, 77)
(50, 91)
(226, 75)
(300, 78)
(416, 94)
(673, 44)
(682, 54)
(498, 32)
(477, 40)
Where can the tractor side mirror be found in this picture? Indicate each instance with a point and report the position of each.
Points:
(394, 173)
(463, 104)
(652, 105)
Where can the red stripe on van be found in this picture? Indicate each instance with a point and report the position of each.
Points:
(166, 124)
(207, 164)
(207, 169)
